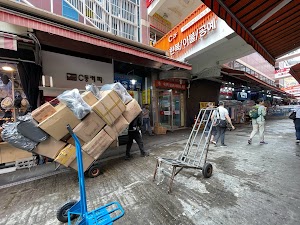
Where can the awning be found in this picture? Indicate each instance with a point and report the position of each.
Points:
(63, 30)
(271, 27)
(241, 75)
(8, 41)
(295, 72)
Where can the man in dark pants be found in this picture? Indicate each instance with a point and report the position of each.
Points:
(134, 134)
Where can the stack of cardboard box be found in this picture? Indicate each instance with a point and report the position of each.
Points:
(96, 132)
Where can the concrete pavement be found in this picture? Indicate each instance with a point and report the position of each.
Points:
(251, 184)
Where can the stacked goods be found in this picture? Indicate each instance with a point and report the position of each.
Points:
(158, 129)
(96, 116)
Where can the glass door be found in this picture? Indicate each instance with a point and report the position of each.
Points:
(165, 108)
(176, 108)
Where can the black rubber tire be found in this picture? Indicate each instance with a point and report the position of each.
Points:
(207, 170)
(62, 212)
(94, 171)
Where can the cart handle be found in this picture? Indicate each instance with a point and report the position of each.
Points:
(70, 129)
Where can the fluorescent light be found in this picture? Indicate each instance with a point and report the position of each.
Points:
(269, 14)
(7, 68)
(133, 81)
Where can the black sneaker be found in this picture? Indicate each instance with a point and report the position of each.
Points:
(128, 157)
(145, 154)
(263, 143)
(223, 146)
(297, 142)
(249, 142)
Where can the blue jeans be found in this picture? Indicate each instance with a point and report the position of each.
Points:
(146, 125)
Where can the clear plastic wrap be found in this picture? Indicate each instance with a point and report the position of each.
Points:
(75, 103)
(11, 135)
(93, 88)
(28, 127)
(119, 88)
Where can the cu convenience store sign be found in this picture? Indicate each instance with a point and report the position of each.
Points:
(189, 32)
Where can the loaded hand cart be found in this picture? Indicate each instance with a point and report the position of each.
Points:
(194, 155)
(77, 210)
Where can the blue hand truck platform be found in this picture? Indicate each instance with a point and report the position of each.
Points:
(77, 210)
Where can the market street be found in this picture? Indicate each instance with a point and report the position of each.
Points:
(257, 184)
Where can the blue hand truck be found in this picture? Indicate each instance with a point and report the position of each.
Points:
(72, 210)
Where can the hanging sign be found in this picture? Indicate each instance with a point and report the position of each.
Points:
(149, 2)
(189, 32)
(169, 85)
(285, 72)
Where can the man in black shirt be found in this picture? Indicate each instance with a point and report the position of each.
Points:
(134, 134)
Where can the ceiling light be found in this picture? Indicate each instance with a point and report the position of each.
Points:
(7, 68)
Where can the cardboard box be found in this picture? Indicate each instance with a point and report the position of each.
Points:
(132, 110)
(43, 112)
(89, 127)
(66, 155)
(119, 126)
(86, 159)
(56, 125)
(98, 144)
(49, 148)
(109, 107)
(160, 130)
(9, 153)
(113, 134)
(89, 98)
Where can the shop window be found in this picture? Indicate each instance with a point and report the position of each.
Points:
(69, 12)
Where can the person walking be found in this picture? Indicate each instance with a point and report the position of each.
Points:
(258, 123)
(213, 133)
(146, 120)
(297, 125)
(134, 134)
(222, 116)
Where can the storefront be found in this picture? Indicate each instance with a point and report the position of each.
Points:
(171, 104)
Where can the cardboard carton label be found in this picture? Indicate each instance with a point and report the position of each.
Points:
(43, 112)
(67, 155)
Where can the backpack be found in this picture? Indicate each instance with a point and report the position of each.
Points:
(253, 113)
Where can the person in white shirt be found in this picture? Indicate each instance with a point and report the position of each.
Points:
(259, 123)
(222, 115)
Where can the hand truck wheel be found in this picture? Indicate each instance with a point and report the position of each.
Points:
(207, 170)
(62, 212)
(94, 171)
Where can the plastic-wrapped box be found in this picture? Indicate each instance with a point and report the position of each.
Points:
(74, 101)
(121, 91)
(11, 135)
(94, 89)
(29, 128)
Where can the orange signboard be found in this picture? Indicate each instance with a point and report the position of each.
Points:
(189, 32)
